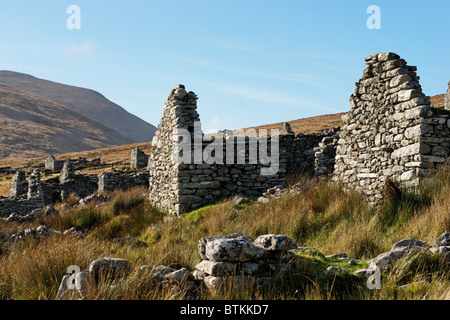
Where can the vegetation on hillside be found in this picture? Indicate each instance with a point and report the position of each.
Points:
(324, 217)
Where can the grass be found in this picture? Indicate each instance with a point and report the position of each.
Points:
(324, 217)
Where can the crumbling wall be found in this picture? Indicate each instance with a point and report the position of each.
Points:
(57, 165)
(299, 150)
(390, 131)
(178, 187)
(19, 185)
(20, 205)
(108, 181)
(325, 157)
(52, 164)
(138, 159)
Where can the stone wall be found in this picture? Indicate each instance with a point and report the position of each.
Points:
(299, 150)
(52, 164)
(138, 159)
(447, 98)
(19, 185)
(18, 204)
(22, 207)
(390, 131)
(179, 112)
(181, 186)
(325, 157)
(108, 181)
(79, 185)
(57, 165)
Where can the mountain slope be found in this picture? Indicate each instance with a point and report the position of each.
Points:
(328, 121)
(84, 101)
(32, 126)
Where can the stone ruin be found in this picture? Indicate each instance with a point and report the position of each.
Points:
(52, 164)
(390, 132)
(179, 187)
(57, 165)
(27, 196)
(139, 159)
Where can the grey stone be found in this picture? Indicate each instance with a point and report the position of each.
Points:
(109, 268)
(443, 240)
(181, 275)
(233, 250)
(274, 242)
(203, 242)
(409, 243)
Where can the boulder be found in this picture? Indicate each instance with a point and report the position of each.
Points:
(203, 242)
(410, 243)
(443, 251)
(179, 276)
(443, 240)
(275, 242)
(232, 268)
(158, 272)
(109, 268)
(233, 250)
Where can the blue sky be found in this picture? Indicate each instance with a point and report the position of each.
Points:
(251, 62)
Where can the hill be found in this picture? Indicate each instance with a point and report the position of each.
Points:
(33, 126)
(307, 125)
(438, 101)
(84, 101)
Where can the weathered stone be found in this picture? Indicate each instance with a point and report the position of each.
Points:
(179, 276)
(202, 243)
(409, 243)
(274, 242)
(232, 268)
(109, 268)
(158, 272)
(443, 240)
(233, 250)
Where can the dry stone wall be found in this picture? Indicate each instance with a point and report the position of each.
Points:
(108, 181)
(138, 159)
(178, 187)
(299, 150)
(325, 157)
(390, 131)
(19, 185)
(52, 164)
(57, 165)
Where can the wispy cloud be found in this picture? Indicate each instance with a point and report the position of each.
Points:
(326, 83)
(235, 45)
(271, 97)
(79, 50)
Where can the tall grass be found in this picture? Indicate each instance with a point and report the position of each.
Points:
(323, 216)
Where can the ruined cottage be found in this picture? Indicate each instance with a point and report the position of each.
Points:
(390, 131)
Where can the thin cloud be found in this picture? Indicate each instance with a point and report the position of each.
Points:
(313, 80)
(79, 50)
(275, 98)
